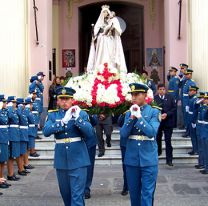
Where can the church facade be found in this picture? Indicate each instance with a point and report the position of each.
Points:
(55, 35)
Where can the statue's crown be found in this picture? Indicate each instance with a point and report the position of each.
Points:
(105, 7)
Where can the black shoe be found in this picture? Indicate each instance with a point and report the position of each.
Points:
(35, 154)
(124, 192)
(109, 144)
(101, 154)
(87, 195)
(3, 186)
(38, 137)
(26, 171)
(170, 164)
(199, 167)
(22, 173)
(204, 172)
(192, 153)
(29, 167)
(13, 178)
(1, 193)
(6, 183)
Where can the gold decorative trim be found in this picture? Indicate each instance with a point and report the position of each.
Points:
(152, 12)
(70, 4)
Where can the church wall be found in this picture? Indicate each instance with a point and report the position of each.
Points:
(176, 49)
(40, 55)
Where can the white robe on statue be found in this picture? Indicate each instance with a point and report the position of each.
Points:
(108, 48)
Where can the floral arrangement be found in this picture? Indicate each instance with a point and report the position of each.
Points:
(105, 90)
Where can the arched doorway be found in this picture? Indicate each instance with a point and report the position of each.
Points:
(132, 38)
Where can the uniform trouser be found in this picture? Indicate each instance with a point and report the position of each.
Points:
(168, 146)
(176, 114)
(123, 151)
(176, 117)
(141, 183)
(193, 138)
(205, 152)
(185, 117)
(71, 185)
(99, 132)
(200, 146)
(90, 169)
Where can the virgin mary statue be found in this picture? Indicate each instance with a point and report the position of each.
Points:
(106, 46)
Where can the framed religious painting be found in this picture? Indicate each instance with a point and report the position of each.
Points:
(68, 58)
(154, 57)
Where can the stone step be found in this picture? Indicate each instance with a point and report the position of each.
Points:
(181, 146)
(114, 150)
(116, 159)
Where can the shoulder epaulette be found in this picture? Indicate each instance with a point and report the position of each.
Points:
(156, 107)
(86, 110)
(55, 110)
(125, 112)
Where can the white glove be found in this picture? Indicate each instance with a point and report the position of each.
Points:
(1, 105)
(135, 111)
(10, 104)
(67, 117)
(193, 125)
(187, 108)
(27, 106)
(75, 111)
(199, 101)
(20, 106)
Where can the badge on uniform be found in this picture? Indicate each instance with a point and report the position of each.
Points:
(63, 91)
(132, 87)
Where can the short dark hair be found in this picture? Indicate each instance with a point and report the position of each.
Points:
(160, 85)
(145, 72)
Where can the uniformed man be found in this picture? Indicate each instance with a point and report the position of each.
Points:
(183, 68)
(91, 147)
(204, 133)
(173, 85)
(70, 125)
(23, 122)
(4, 140)
(200, 107)
(182, 78)
(185, 99)
(105, 126)
(149, 82)
(35, 90)
(141, 158)
(32, 132)
(14, 138)
(123, 141)
(173, 88)
(37, 85)
(36, 110)
(192, 112)
(168, 105)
